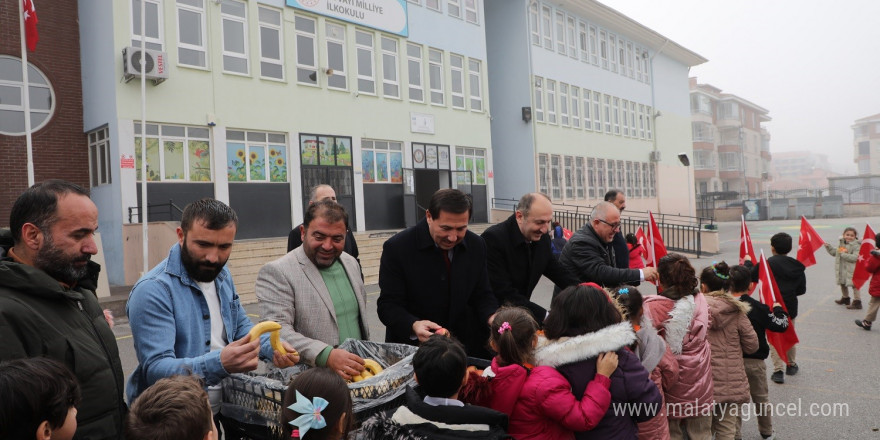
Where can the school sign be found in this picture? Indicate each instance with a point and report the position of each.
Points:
(385, 15)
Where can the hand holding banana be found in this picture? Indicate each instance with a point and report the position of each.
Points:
(284, 356)
(371, 368)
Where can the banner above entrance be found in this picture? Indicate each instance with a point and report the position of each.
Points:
(385, 15)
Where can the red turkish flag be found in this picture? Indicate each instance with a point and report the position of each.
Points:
(745, 243)
(770, 294)
(861, 273)
(30, 25)
(640, 237)
(808, 243)
(656, 249)
(567, 233)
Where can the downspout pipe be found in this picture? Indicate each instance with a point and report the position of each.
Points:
(654, 119)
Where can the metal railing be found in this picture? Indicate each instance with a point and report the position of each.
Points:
(680, 233)
(156, 211)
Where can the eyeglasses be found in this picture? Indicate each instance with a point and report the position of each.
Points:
(613, 225)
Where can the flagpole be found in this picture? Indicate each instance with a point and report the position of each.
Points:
(144, 177)
(27, 98)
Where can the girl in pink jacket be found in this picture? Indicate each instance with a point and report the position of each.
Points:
(538, 400)
(681, 316)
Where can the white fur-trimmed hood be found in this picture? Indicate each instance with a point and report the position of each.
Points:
(567, 350)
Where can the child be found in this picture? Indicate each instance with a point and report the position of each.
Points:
(440, 366)
(317, 390)
(845, 256)
(654, 354)
(792, 282)
(40, 396)
(762, 319)
(730, 334)
(538, 400)
(558, 242)
(874, 290)
(681, 316)
(636, 252)
(175, 407)
(582, 324)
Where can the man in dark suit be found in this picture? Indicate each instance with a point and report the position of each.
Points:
(433, 278)
(621, 251)
(519, 253)
(318, 193)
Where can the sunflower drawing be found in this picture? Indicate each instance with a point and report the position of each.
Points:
(240, 154)
(279, 161)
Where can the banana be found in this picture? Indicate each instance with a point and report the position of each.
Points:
(274, 339)
(372, 366)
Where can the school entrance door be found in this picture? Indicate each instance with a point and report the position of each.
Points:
(326, 159)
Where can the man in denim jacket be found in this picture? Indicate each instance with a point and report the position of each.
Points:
(185, 315)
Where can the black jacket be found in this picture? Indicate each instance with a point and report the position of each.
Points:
(40, 317)
(515, 266)
(790, 278)
(418, 420)
(621, 251)
(763, 320)
(414, 286)
(590, 260)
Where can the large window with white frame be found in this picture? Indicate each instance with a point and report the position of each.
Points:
(271, 43)
(575, 107)
(555, 177)
(539, 99)
(583, 42)
(621, 174)
(615, 114)
(600, 178)
(632, 119)
(435, 76)
(594, 46)
(12, 90)
(390, 69)
(560, 32)
(569, 177)
(629, 177)
(621, 55)
(471, 12)
(456, 80)
(592, 181)
(191, 43)
(365, 66)
(334, 38)
(534, 24)
(606, 111)
(174, 153)
(153, 24)
(702, 132)
(651, 179)
(433, 5)
(571, 36)
(475, 84)
(603, 48)
(630, 60)
(649, 120)
(306, 50)
(99, 157)
(414, 72)
(612, 52)
(453, 8)
(382, 161)
(551, 101)
(610, 179)
(233, 14)
(547, 26)
(704, 160)
(473, 160)
(624, 116)
(637, 179)
(638, 57)
(563, 105)
(587, 106)
(641, 121)
(579, 177)
(597, 112)
(543, 175)
(254, 156)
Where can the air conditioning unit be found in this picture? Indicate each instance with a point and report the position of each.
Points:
(152, 64)
(655, 156)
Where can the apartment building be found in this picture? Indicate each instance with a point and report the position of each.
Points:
(866, 145)
(731, 147)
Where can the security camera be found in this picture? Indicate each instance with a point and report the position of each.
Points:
(683, 158)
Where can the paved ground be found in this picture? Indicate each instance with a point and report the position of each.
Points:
(837, 392)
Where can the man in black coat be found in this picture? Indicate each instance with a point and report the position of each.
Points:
(621, 250)
(318, 193)
(590, 256)
(433, 278)
(519, 253)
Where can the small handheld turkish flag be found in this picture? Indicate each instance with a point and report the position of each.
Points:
(861, 273)
(745, 243)
(770, 294)
(808, 243)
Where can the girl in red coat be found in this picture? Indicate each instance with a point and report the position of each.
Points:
(538, 400)
(874, 290)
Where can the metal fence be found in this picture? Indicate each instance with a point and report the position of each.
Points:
(680, 233)
(156, 212)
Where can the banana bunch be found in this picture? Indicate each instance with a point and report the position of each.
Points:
(371, 368)
(274, 338)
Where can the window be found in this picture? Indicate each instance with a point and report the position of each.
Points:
(382, 161)
(579, 177)
(612, 51)
(414, 67)
(563, 104)
(600, 178)
(575, 107)
(588, 121)
(453, 8)
(471, 14)
(621, 56)
(539, 100)
(702, 132)
(99, 157)
(543, 181)
(704, 160)
(864, 166)
(624, 116)
(729, 161)
(152, 23)
(646, 73)
(650, 184)
(583, 42)
(649, 117)
(621, 175)
(366, 72)
(632, 119)
(390, 81)
(271, 46)
(534, 24)
(473, 160)
(728, 110)
(551, 101)
(607, 112)
(306, 51)
(612, 176)
(630, 61)
(475, 85)
(594, 50)
(638, 57)
(547, 27)
(435, 76)
(256, 156)
(334, 36)
(615, 115)
(637, 179)
(571, 37)
(174, 153)
(603, 48)
(555, 177)
(40, 93)
(701, 104)
(591, 178)
(560, 32)
(191, 46)
(234, 17)
(569, 177)
(433, 5)
(456, 80)
(641, 121)
(597, 118)
(865, 148)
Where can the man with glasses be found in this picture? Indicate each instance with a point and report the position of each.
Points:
(621, 251)
(590, 254)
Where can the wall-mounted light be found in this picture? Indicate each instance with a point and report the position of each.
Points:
(683, 158)
(526, 114)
